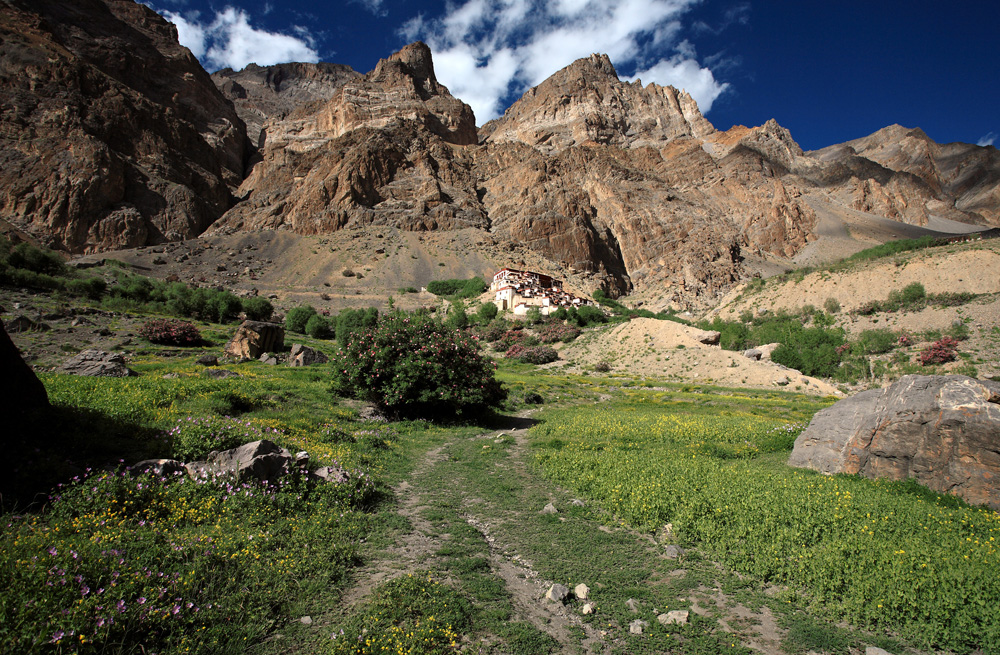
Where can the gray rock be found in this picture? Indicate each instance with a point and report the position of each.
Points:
(93, 362)
(632, 604)
(753, 353)
(306, 620)
(875, 650)
(672, 551)
(581, 591)
(268, 359)
(557, 592)
(258, 460)
(305, 356)
(533, 398)
(944, 431)
(331, 474)
(207, 360)
(549, 509)
(588, 608)
(708, 337)
(678, 617)
(636, 627)
(22, 323)
(576, 502)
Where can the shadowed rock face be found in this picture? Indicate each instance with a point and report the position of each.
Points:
(21, 392)
(944, 431)
(113, 134)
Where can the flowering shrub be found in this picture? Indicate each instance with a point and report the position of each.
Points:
(194, 438)
(939, 352)
(515, 351)
(411, 365)
(539, 355)
(170, 332)
(554, 332)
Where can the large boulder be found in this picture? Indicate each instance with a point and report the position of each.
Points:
(97, 363)
(254, 338)
(306, 356)
(942, 430)
(21, 392)
(258, 460)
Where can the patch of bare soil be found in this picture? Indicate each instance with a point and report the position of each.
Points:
(668, 350)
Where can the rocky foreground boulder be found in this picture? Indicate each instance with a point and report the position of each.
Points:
(942, 430)
(21, 392)
(254, 338)
(97, 363)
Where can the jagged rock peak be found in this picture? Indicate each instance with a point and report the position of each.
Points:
(586, 102)
(415, 59)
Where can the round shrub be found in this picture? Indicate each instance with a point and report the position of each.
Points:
(318, 327)
(296, 319)
(539, 355)
(486, 313)
(170, 332)
(939, 352)
(412, 366)
(257, 308)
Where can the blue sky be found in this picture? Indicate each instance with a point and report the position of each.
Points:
(828, 71)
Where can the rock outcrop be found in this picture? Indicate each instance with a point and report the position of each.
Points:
(263, 93)
(21, 392)
(944, 431)
(114, 136)
(255, 338)
(97, 363)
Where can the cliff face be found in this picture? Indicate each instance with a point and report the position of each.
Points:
(260, 93)
(384, 150)
(111, 133)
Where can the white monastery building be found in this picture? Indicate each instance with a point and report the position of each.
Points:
(519, 291)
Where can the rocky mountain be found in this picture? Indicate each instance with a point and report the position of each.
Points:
(260, 93)
(111, 134)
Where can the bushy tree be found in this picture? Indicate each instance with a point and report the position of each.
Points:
(486, 313)
(413, 366)
(318, 327)
(257, 308)
(296, 319)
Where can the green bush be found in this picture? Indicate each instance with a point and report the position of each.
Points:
(296, 319)
(831, 305)
(411, 365)
(486, 313)
(534, 316)
(351, 321)
(587, 315)
(875, 342)
(36, 260)
(257, 308)
(462, 288)
(318, 327)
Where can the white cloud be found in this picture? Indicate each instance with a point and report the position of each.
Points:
(987, 140)
(229, 40)
(485, 50)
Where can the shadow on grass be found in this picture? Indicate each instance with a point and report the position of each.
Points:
(61, 442)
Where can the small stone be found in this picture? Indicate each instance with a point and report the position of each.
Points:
(576, 502)
(673, 551)
(207, 360)
(581, 591)
(679, 617)
(874, 650)
(306, 620)
(632, 604)
(549, 509)
(636, 627)
(557, 592)
(588, 608)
